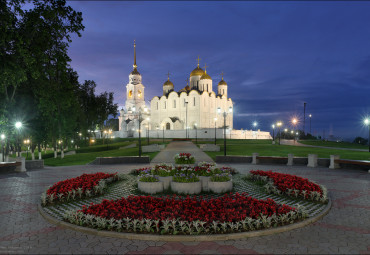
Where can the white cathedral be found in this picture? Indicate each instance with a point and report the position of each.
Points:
(195, 110)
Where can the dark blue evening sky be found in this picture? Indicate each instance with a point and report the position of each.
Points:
(275, 55)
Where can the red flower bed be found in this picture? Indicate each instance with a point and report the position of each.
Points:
(286, 181)
(229, 208)
(85, 181)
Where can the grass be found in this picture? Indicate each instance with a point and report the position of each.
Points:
(84, 158)
(334, 144)
(247, 149)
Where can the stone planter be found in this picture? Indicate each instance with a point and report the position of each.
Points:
(204, 180)
(150, 187)
(220, 187)
(166, 181)
(187, 188)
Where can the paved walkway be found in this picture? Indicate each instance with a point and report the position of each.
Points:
(295, 143)
(167, 155)
(345, 230)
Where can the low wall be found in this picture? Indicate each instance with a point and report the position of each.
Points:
(324, 162)
(233, 159)
(34, 164)
(121, 160)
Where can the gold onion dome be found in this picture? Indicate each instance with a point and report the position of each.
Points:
(205, 76)
(168, 82)
(222, 82)
(197, 72)
(135, 72)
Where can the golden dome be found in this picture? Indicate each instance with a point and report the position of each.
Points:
(222, 82)
(135, 72)
(205, 76)
(197, 72)
(168, 82)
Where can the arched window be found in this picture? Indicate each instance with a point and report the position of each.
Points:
(157, 105)
(207, 87)
(174, 103)
(194, 101)
(164, 104)
(168, 126)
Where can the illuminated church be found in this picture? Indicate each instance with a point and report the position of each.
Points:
(196, 106)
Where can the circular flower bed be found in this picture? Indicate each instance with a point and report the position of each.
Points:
(86, 185)
(176, 215)
(290, 185)
(185, 215)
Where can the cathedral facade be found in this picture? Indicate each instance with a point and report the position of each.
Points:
(200, 105)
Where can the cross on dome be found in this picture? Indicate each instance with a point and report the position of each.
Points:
(205, 68)
(168, 75)
(198, 60)
(222, 75)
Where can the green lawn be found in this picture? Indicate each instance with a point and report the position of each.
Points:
(84, 158)
(334, 144)
(283, 150)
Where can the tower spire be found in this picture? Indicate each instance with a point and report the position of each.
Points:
(222, 75)
(168, 75)
(135, 66)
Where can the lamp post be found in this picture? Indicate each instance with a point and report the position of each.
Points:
(2, 145)
(294, 122)
(140, 119)
(255, 126)
(27, 142)
(186, 122)
(18, 126)
(225, 114)
(273, 132)
(310, 122)
(147, 134)
(215, 130)
(196, 133)
(367, 122)
(163, 133)
(279, 125)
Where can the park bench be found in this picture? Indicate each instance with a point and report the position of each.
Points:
(365, 163)
(7, 165)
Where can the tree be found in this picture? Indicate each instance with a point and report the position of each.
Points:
(360, 140)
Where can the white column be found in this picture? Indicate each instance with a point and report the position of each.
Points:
(312, 160)
(334, 165)
(255, 161)
(290, 159)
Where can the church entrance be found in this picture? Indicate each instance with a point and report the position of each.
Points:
(168, 126)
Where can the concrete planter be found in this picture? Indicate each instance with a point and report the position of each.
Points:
(204, 180)
(166, 181)
(187, 188)
(220, 187)
(150, 187)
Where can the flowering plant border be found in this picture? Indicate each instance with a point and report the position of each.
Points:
(167, 224)
(75, 188)
(184, 158)
(278, 183)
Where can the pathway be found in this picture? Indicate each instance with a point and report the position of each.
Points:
(167, 155)
(291, 142)
(345, 230)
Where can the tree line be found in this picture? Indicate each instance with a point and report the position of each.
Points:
(38, 87)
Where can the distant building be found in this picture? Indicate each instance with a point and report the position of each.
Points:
(194, 107)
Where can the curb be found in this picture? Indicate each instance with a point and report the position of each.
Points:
(184, 238)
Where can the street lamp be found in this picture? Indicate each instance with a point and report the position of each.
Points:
(294, 122)
(215, 129)
(255, 124)
(273, 132)
(225, 114)
(18, 126)
(367, 122)
(27, 143)
(163, 133)
(279, 125)
(2, 145)
(147, 134)
(186, 122)
(310, 122)
(196, 133)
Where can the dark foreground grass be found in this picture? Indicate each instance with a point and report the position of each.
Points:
(283, 150)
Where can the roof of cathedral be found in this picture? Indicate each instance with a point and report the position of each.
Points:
(222, 82)
(135, 72)
(168, 82)
(197, 72)
(205, 76)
